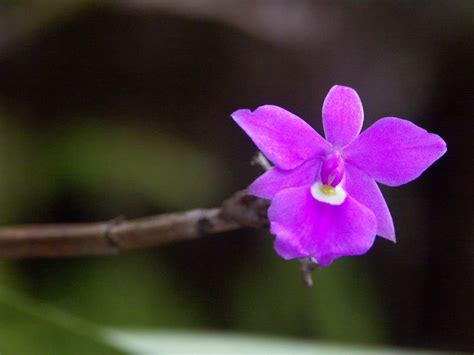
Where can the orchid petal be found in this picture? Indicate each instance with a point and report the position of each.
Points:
(283, 137)
(394, 151)
(276, 179)
(306, 227)
(364, 189)
(343, 115)
(289, 247)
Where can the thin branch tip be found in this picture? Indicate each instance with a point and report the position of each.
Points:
(308, 265)
(260, 160)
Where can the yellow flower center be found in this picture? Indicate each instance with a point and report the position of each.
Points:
(328, 190)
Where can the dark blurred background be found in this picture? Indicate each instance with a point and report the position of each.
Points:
(122, 108)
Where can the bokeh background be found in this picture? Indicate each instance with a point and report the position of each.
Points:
(112, 108)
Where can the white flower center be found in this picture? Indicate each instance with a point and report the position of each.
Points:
(328, 194)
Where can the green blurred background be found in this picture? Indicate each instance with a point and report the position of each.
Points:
(112, 108)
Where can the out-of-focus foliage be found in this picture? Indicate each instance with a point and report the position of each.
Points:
(32, 325)
(342, 305)
(177, 343)
(113, 159)
(108, 162)
(18, 182)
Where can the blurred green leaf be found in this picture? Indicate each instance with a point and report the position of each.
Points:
(113, 158)
(29, 327)
(174, 343)
(131, 290)
(25, 178)
(346, 304)
(111, 164)
(341, 306)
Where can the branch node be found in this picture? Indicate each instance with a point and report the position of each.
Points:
(203, 225)
(108, 232)
(246, 210)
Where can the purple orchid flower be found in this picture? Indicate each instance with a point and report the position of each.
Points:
(325, 200)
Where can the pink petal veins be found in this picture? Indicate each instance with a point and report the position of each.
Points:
(343, 115)
(394, 151)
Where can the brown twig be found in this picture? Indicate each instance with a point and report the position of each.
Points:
(111, 237)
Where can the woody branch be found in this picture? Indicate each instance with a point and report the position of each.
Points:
(115, 236)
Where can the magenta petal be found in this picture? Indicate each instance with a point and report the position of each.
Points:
(276, 179)
(343, 115)
(365, 190)
(283, 137)
(289, 247)
(394, 151)
(306, 227)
